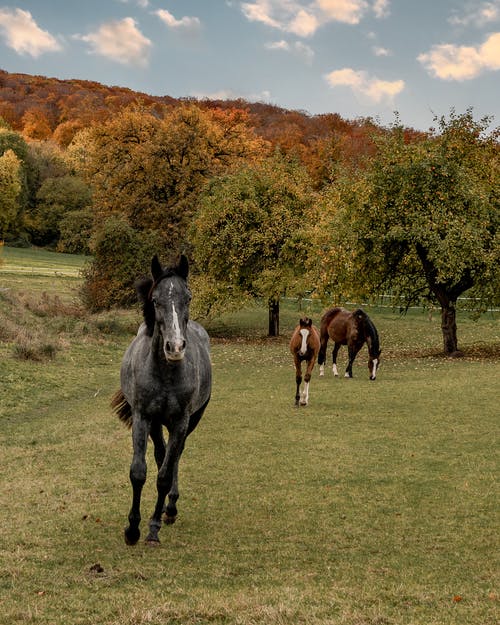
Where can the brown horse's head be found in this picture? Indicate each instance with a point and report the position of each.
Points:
(373, 363)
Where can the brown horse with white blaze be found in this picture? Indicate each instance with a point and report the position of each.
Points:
(304, 345)
(352, 329)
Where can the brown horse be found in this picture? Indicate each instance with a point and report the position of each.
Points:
(304, 345)
(352, 329)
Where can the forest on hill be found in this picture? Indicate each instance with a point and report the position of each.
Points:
(48, 108)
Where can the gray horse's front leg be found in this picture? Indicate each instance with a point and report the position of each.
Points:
(138, 469)
(167, 484)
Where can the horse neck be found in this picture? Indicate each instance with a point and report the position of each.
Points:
(372, 338)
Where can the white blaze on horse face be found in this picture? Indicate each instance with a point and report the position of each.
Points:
(303, 348)
(174, 346)
(178, 341)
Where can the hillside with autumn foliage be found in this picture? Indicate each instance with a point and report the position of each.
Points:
(48, 108)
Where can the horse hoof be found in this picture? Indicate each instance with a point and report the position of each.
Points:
(131, 536)
(169, 520)
(152, 542)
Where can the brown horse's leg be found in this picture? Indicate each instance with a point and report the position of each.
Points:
(353, 350)
(307, 378)
(298, 377)
(334, 359)
(322, 352)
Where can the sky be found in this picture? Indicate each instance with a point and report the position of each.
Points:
(357, 58)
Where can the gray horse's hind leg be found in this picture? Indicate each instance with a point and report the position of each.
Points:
(138, 469)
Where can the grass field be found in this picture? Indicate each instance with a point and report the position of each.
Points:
(375, 505)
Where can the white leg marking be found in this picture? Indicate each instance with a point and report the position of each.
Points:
(334, 369)
(322, 370)
(346, 375)
(305, 395)
(374, 368)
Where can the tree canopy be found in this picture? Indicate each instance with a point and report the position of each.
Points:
(247, 234)
(421, 222)
(151, 169)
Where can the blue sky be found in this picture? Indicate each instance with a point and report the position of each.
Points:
(353, 57)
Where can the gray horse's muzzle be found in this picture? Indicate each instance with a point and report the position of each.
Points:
(174, 350)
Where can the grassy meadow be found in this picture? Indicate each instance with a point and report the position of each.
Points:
(375, 505)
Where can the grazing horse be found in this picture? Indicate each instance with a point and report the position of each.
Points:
(165, 381)
(352, 329)
(304, 345)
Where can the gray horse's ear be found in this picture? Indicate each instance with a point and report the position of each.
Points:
(183, 268)
(156, 268)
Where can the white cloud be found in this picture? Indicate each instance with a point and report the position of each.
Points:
(185, 23)
(278, 45)
(451, 62)
(298, 47)
(381, 8)
(360, 82)
(477, 15)
(229, 94)
(303, 18)
(347, 11)
(23, 35)
(303, 50)
(140, 3)
(120, 41)
(380, 51)
(303, 24)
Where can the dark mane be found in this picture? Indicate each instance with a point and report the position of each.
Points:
(370, 332)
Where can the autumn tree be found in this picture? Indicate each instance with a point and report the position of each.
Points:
(10, 189)
(36, 125)
(150, 170)
(421, 222)
(14, 145)
(247, 235)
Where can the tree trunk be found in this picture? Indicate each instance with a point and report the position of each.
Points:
(274, 317)
(449, 327)
(447, 296)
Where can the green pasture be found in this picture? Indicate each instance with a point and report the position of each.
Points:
(375, 505)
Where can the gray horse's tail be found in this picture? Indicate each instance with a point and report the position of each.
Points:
(122, 408)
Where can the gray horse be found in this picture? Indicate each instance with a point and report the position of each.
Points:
(165, 381)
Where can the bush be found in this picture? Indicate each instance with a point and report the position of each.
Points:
(121, 256)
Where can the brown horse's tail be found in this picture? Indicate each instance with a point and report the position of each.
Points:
(122, 408)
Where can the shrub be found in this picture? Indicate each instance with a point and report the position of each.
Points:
(121, 256)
